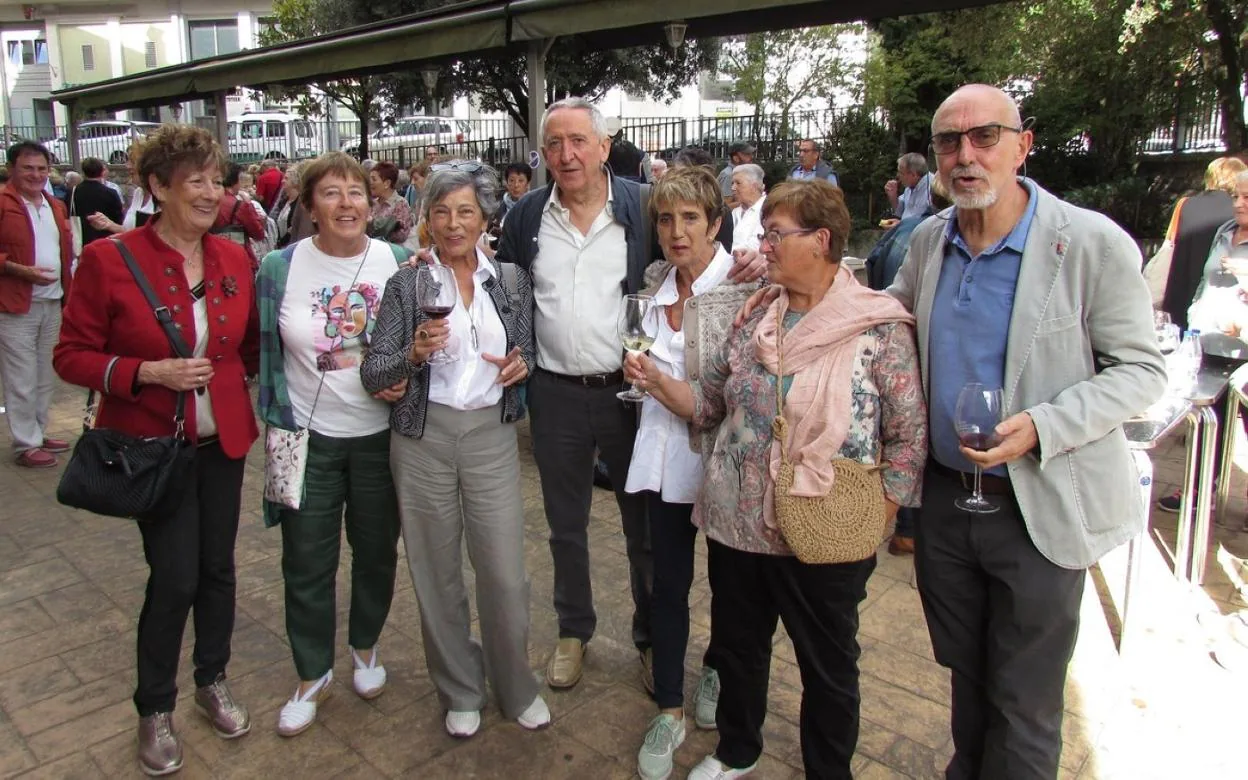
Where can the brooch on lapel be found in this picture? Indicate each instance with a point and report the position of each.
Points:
(229, 286)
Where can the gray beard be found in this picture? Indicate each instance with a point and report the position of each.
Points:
(975, 202)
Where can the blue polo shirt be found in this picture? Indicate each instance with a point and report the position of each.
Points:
(970, 326)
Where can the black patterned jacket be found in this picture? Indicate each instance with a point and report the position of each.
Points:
(387, 361)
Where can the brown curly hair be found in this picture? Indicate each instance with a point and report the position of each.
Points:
(331, 163)
(171, 148)
(813, 204)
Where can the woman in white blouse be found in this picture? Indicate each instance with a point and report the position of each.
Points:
(141, 208)
(454, 456)
(697, 304)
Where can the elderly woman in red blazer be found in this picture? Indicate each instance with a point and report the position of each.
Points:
(112, 343)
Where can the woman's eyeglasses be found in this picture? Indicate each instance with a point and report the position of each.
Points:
(981, 137)
(463, 166)
(774, 237)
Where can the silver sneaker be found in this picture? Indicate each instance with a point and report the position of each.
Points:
(160, 750)
(706, 698)
(228, 718)
(654, 760)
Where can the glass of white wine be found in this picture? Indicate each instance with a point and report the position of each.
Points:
(637, 325)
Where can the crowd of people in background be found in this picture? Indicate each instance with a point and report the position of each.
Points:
(768, 370)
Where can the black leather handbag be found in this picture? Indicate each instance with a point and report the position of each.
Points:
(119, 475)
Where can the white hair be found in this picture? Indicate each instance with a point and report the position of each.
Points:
(750, 171)
(913, 162)
(596, 119)
(1241, 179)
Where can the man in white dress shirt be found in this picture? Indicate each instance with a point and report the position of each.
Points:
(747, 217)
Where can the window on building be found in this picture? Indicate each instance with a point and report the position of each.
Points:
(88, 57)
(41, 51)
(24, 52)
(149, 54)
(213, 37)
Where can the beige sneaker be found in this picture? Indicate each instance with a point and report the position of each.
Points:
(566, 663)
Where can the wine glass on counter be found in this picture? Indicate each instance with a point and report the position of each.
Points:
(436, 294)
(975, 418)
(637, 325)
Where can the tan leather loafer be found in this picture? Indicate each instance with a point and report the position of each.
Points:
(647, 670)
(566, 663)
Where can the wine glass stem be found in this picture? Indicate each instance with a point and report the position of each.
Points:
(979, 496)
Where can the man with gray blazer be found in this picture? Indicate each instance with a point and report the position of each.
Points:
(1017, 290)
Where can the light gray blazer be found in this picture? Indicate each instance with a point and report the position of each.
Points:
(1081, 358)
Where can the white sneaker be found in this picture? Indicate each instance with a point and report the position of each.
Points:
(300, 712)
(537, 716)
(711, 769)
(706, 698)
(463, 724)
(369, 680)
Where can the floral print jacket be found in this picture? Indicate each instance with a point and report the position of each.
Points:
(889, 425)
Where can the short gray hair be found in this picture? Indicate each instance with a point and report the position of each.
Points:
(751, 171)
(1241, 179)
(913, 162)
(442, 182)
(596, 119)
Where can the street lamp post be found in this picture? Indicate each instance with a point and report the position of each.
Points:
(429, 73)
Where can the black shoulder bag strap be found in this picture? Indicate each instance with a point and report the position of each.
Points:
(165, 318)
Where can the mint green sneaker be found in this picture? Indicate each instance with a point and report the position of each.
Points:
(706, 698)
(654, 761)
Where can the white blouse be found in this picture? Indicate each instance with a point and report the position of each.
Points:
(663, 461)
(470, 382)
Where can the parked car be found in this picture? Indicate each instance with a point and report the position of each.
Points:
(411, 134)
(724, 132)
(271, 135)
(107, 139)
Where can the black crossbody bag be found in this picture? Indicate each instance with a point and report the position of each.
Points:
(119, 475)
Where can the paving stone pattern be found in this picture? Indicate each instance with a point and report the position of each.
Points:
(71, 585)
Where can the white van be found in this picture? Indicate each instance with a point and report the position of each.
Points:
(271, 135)
(106, 139)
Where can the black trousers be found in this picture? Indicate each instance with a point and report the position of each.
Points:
(672, 537)
(819, 607)
(569, 423)
(1003, 619)
(190, 557)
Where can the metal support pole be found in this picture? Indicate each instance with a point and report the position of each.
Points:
(536, 71)
(71, 136)
(223, 120)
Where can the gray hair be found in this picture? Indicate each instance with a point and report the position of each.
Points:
(913, 162)
(751, 171)
(596, 119)
(1241, 179)
(442, 182)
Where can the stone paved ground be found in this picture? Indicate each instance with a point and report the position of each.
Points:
(71, 585)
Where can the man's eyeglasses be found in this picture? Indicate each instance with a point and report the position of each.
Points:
(774, 237)
(981, 137)
(463, 166)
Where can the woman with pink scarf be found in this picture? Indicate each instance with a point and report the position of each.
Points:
(852, 390)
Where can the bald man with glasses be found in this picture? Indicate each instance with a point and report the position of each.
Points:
(1017, 290)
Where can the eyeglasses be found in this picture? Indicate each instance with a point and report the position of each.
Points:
(463, 166)
(981, 137)
(774, 237)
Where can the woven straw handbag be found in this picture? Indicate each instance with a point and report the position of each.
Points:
(845, 526)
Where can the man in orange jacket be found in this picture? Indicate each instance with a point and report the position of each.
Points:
(34, 281)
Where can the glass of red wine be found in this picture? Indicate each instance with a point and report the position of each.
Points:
(436, 293)
(975, 418)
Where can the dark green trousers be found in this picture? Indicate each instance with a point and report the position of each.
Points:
(353, 473)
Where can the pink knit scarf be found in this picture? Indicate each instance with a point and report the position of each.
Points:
(819, 353)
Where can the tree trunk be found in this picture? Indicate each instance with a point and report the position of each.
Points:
(1229, 77)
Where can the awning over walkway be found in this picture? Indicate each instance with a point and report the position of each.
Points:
(473, 28)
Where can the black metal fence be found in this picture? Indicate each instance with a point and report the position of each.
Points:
(404, 140)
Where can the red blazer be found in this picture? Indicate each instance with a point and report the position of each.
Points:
(232, 210)
(17, 245)
(108, 329)
(268, 185)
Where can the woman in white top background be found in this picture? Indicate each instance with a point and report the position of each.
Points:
(139, 210)
(454, 455)
(697, 303)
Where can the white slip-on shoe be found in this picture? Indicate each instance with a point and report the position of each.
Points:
(368, 679)
(535, 716)
(711, 769)
(462, 724)
(300, 712)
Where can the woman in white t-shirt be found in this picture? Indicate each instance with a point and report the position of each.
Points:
(454, 455)
(317, 318)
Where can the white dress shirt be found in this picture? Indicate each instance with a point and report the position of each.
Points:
(916, 200)
(578, 283)
(470, 382)
(47, 248)
(663, 461)
(747, 224)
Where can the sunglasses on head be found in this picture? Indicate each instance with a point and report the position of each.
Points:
(463, 166)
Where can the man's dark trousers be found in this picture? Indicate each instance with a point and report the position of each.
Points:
(570, 422)
(1003, 619)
